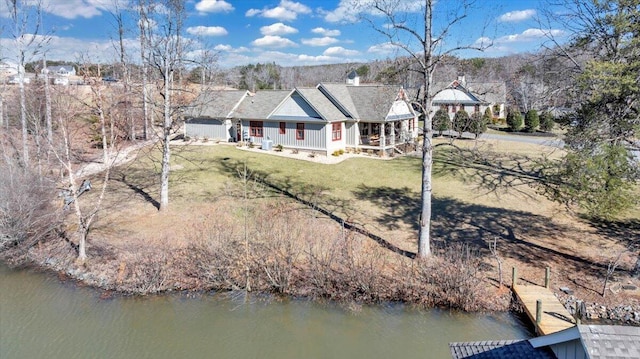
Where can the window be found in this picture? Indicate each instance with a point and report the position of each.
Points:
(255, 128)
(477, 108)
(336, 131)
(283, 128)
(299, 131)
(453, 108)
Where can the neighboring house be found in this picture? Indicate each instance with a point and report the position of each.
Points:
(8, 69)
(471, 97)
(64, 70)
(327, 118)
(579, 342)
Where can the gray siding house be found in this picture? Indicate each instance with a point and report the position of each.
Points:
(325, 119)
(578, 342)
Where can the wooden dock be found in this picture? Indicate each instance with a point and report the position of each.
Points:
(554, 317)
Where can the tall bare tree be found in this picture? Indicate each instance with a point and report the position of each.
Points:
(69, 108)
(165, 43)
(25, 18)
(144, 25)
(414, 33)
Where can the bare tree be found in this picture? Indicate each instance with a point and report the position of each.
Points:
(25, 18)
(144, 25)
(415, 34)
(166, 57)
(68, 111)
(124, 68)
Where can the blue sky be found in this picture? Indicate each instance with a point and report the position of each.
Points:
(287, 32)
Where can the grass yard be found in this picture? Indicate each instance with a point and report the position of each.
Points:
(473, 204)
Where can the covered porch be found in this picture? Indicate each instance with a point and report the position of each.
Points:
(383, 135)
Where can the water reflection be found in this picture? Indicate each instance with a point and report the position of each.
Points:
(42, 317)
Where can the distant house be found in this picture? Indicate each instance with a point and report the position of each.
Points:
(63, 70)
(579, 342)
(469, 96)
(8, 69)
(326, 118)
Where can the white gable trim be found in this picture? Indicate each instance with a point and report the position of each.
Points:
(235, 107)
(300, 112)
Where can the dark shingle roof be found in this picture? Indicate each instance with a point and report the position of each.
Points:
(215, 104)
(260, 105)
(610, 341)
(499, 349)
(373, 102)
(340, 94)
(321, 103)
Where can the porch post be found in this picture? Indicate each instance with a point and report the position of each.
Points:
(382, 137)
(393, 133)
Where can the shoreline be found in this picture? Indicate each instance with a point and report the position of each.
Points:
(622, 314)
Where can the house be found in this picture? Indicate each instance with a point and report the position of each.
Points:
(324, 119)
(8, 69)
(578, 342)
(64, 70)
(211, 115)
(472, 97)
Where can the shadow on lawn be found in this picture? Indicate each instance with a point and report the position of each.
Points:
(475, 225)
(312, 197)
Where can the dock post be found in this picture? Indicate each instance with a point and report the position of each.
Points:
(538, 313)
(547, 277)
(514, 277)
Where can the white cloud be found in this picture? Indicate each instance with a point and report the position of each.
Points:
(348, 11)
(383, 49)
(530, 35)
(273, 42)
(340, 51)
(320, 41)
(75, 50)
(286, 11)
(71, 9)
(207, 31)
(231, 49)
(483, 42)
(278, 29)
(516, 16)
(290, 59)
(213, 6)
(325, 32)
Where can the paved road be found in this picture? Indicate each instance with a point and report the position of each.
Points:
(538, 140)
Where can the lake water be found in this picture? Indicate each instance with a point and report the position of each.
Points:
(41, 317)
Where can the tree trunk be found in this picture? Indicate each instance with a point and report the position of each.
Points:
(143, 23)
(424, 234)
(23, 113)
(47, 99)
(166, 154)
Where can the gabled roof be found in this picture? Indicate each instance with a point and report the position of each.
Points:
(373, 101)
(261, 104)
(486, 92)
(598, 341)
(456, 93)
(216, 104)
(321, 104)
(499, 349)
(492, 92)
(339, 94)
